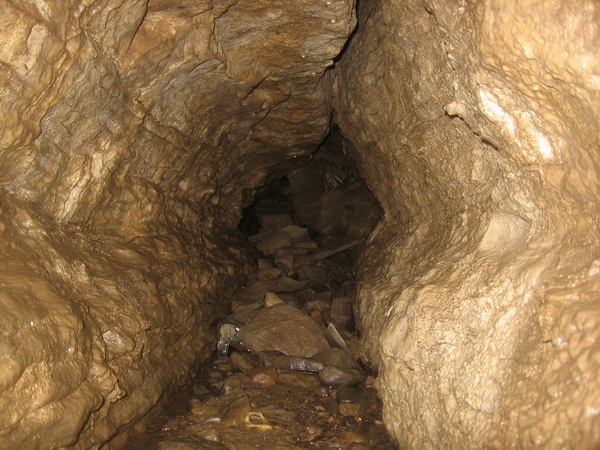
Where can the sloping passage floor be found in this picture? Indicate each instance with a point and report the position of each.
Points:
(286, 371)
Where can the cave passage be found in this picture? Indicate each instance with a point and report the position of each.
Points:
(286, 371)
(134, 133)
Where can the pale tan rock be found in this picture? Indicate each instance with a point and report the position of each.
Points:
(272, 299)
(483, 162)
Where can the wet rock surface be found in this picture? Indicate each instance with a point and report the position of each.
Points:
(283, 376)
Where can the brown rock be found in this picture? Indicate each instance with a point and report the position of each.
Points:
(285, 329)
(235, 412)
(297, 234)
(272, 299)
(263, 375)
(350, 409)
(274, 242)
(242, 361)
(340, 312)
(299, 379)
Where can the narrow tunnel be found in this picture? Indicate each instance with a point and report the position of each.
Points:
(142, 142)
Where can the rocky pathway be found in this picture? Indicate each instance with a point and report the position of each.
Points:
(285, 373)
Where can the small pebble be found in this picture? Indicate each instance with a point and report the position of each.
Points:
(313, 431)
(272, 299)
(321, 392)
(350, 409)
(214, 376)
(350, 421)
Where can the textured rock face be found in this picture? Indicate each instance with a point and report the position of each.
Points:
(129, 130)
(134, 132)
(476, 126)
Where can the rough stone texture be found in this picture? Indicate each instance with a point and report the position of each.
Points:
(286, 329)
(476, 125)
(129, 130)
(133, 134)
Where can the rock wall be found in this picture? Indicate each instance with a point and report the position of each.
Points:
(134, 132)
(129, 131)
(476, 125)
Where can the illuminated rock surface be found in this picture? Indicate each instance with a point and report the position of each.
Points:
(134, 133)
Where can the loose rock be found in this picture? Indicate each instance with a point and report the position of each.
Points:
(285, 329)
(334, 376)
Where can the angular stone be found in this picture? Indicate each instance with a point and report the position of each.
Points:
(286, 329)
(268, 357)
(350, 409)
(289, 299)
(297, 234)
(272, 299)
(273, 243)
(337, 245)
(310, 272)
(273, 217)
(284, 262)
(316, 305)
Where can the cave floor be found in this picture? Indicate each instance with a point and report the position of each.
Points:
(240, 400)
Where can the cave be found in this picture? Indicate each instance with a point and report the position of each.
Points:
(134, 135)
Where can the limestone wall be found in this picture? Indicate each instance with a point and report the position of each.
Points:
(476, 125)
(133, 132)
(129, 129)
